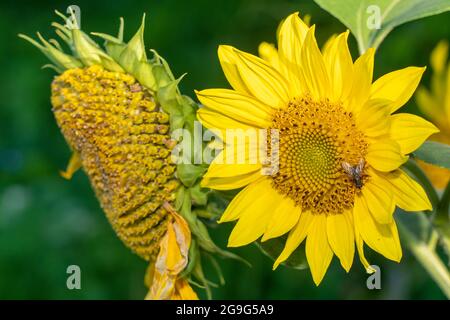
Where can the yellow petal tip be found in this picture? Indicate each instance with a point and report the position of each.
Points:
(275, 265)
(65, 174)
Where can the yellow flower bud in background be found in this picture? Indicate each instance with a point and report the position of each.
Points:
(435, 104)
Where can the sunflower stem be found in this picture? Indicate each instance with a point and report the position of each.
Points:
(428, 258)
(434, 238)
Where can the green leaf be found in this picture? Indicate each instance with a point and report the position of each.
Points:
(361, 16)
(434, 153)
(273, 247)
(419, 223)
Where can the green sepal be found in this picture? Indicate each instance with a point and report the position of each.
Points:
(169, 99)
(114, 46)
(208, 245)
(63, 33)
(189, 108)
(189, 173)
(199, 195)
(144, 74)
(167, 77)
(90, 54)
(198, 273)
(109, 64)
(193, 256)
(199, 230)
(273, 248)
(217, 268)
(205, 214)
(61, 60)
(53, 67)
(134, 52)
(179, 198)
(162, 79)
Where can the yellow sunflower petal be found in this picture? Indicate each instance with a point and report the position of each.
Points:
(183, 291)
(291, 36)
(397, 86)
(408, 194)
(284, 218)
(262, 81)
(385, 155)
(382, 238)
(163, 286)
(340, 66)
(295, 237)
(228, 62)
(342, 238)
(254, 214)
(362, 81)
(173, 256)
(373, 118)
(410, 131)
(269, 53)
(360, 246)
(213, 120)
(379, 200)
(75, 163)
(236, 150)
(242, 147)
(313, 67)
(230, 170)
(318, 250)
(242, 200)
(229, 183)
(328, 45)
(237, 106)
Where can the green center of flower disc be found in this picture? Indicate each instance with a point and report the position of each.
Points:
(315, 139)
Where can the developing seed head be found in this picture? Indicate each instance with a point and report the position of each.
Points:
(122, 137)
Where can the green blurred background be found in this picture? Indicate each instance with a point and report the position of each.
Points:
(47, 223)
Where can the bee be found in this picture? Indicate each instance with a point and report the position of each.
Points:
(355, 172)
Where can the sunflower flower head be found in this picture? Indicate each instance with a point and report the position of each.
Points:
(339, 147)
(435, 104)
(117, 109)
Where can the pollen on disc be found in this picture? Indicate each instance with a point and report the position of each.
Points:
(123, 139)
(315, 138)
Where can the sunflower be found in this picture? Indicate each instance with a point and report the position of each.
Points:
(435, 104)
(339, 148)
(116, 109)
